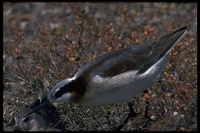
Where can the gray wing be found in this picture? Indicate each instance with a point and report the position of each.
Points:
(114, 63)
(139, 57)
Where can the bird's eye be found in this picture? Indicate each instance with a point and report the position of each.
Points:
(26, 119)
(58, 92)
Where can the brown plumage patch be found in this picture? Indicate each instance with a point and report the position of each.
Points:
(78, 89)
(120, 67)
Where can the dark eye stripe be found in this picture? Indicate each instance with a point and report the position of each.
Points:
(78, 85)
(63, 90)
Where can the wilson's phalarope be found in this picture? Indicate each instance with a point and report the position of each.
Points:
(116, 76)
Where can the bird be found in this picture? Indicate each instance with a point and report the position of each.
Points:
(116, 76)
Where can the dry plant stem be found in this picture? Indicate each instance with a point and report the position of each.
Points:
(17, 39)
(80, 33)
(80, 28)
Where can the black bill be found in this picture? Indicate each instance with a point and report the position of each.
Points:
(39, 107)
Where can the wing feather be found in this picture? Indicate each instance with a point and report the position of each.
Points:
(139, 57)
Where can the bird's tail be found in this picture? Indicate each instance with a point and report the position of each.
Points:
(166, 43)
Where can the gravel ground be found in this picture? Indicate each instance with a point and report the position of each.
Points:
(51, 41)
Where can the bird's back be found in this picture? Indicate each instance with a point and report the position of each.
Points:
(139, 57)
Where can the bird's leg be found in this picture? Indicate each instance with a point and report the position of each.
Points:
(144, 128)
(132, 113)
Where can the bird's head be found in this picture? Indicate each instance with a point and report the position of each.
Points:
(62, 92)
